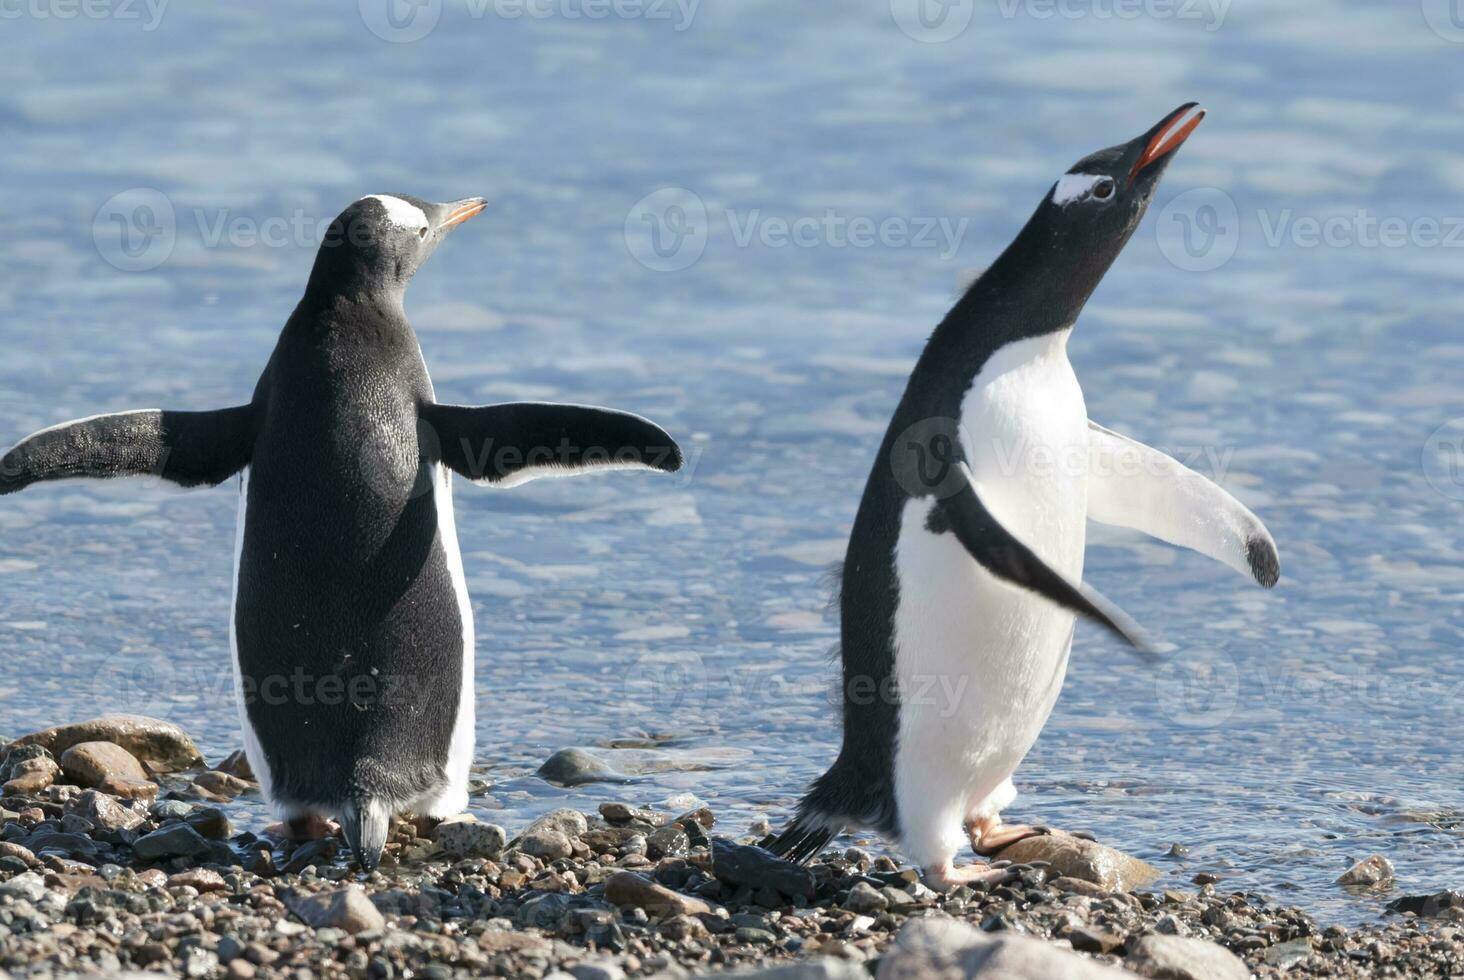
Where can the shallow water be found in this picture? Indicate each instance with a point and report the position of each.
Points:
(1312, 369)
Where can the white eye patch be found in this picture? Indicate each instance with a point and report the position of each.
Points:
(1071, 187)
(401, 213)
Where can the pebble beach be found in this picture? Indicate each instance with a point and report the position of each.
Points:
(119, 856)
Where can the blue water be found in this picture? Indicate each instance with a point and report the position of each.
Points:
(1260, 325)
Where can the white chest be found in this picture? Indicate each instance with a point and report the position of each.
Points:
(989, 656)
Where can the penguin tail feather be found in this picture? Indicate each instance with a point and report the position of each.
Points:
(803, 841)
(365, 822)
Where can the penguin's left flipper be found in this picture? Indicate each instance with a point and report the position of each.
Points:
(190, 449)
(510, 444)
(1136, 486)
(998, 551)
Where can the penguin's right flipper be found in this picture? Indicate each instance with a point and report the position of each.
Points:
(998, 551)
(187, 448)
(510, 444)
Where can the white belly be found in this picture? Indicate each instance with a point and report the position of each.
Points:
(979, 661)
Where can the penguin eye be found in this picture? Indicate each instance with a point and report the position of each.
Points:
(1103, 190)
(422, 232)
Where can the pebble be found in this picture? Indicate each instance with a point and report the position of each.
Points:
(347, 909)
(469, 838)
(576, 767)
(551, 845)
(1371, 872)
(88, 763)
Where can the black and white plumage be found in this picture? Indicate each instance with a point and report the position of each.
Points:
(352, 633)
(963, 572)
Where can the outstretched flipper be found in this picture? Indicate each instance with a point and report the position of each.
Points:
(187, 448)
(998, 551)
(1135, 486)
(510, 444)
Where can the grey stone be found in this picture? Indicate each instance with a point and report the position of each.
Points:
(550, 845)
(1077, 857)
(174, 840)
(347, 909)
(865, 899)
(570, 823)
(575, 767)
(105, 813)
(940, 948)
(1183, 958)
(468, 838)
(29, 886)
(162, 746)
(1373, 871)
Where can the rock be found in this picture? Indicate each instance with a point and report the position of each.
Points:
(105, 813)
(1371, 872)
(29, 783)
(174, 840)
(522, 943)
(222, 784)
(129, 789)
(575, 767)
(56, 842)
(236, 763)
(162, 746)
(1090, 939)
(28, 885)
(550, 845)
(88, 763)
(625, 888)
(202, 879)
(598, 970)
(1075, 857)
(865, 899)
(570, 823)
(940, 948)
(462, 838)
(1285, 955)
(9, 849)
(1427, 906)
(741, 864)
(667, 842)
(622, 813)
(1182, 958)
(347, 909)
(210, 822)
(820, 968)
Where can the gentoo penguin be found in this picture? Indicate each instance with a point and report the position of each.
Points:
(352, 633)
(963, 571)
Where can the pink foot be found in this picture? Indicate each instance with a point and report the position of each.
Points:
(990, 835)
(311, 827)
(948, 877)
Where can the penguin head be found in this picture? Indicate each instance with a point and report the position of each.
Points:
(379, 242)
(1103, 196)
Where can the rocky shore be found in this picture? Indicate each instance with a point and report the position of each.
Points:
(117, 856)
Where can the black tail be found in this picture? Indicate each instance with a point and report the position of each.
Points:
(801, 842)
(365, 822)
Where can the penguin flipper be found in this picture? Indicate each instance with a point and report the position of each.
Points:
(1136, 486)
(998, 551)
(187, 448)
(510, 444)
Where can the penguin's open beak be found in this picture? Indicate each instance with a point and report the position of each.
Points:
(460, 211)
(1167, 136)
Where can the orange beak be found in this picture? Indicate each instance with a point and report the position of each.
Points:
(462, 211)
(1168, 136)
